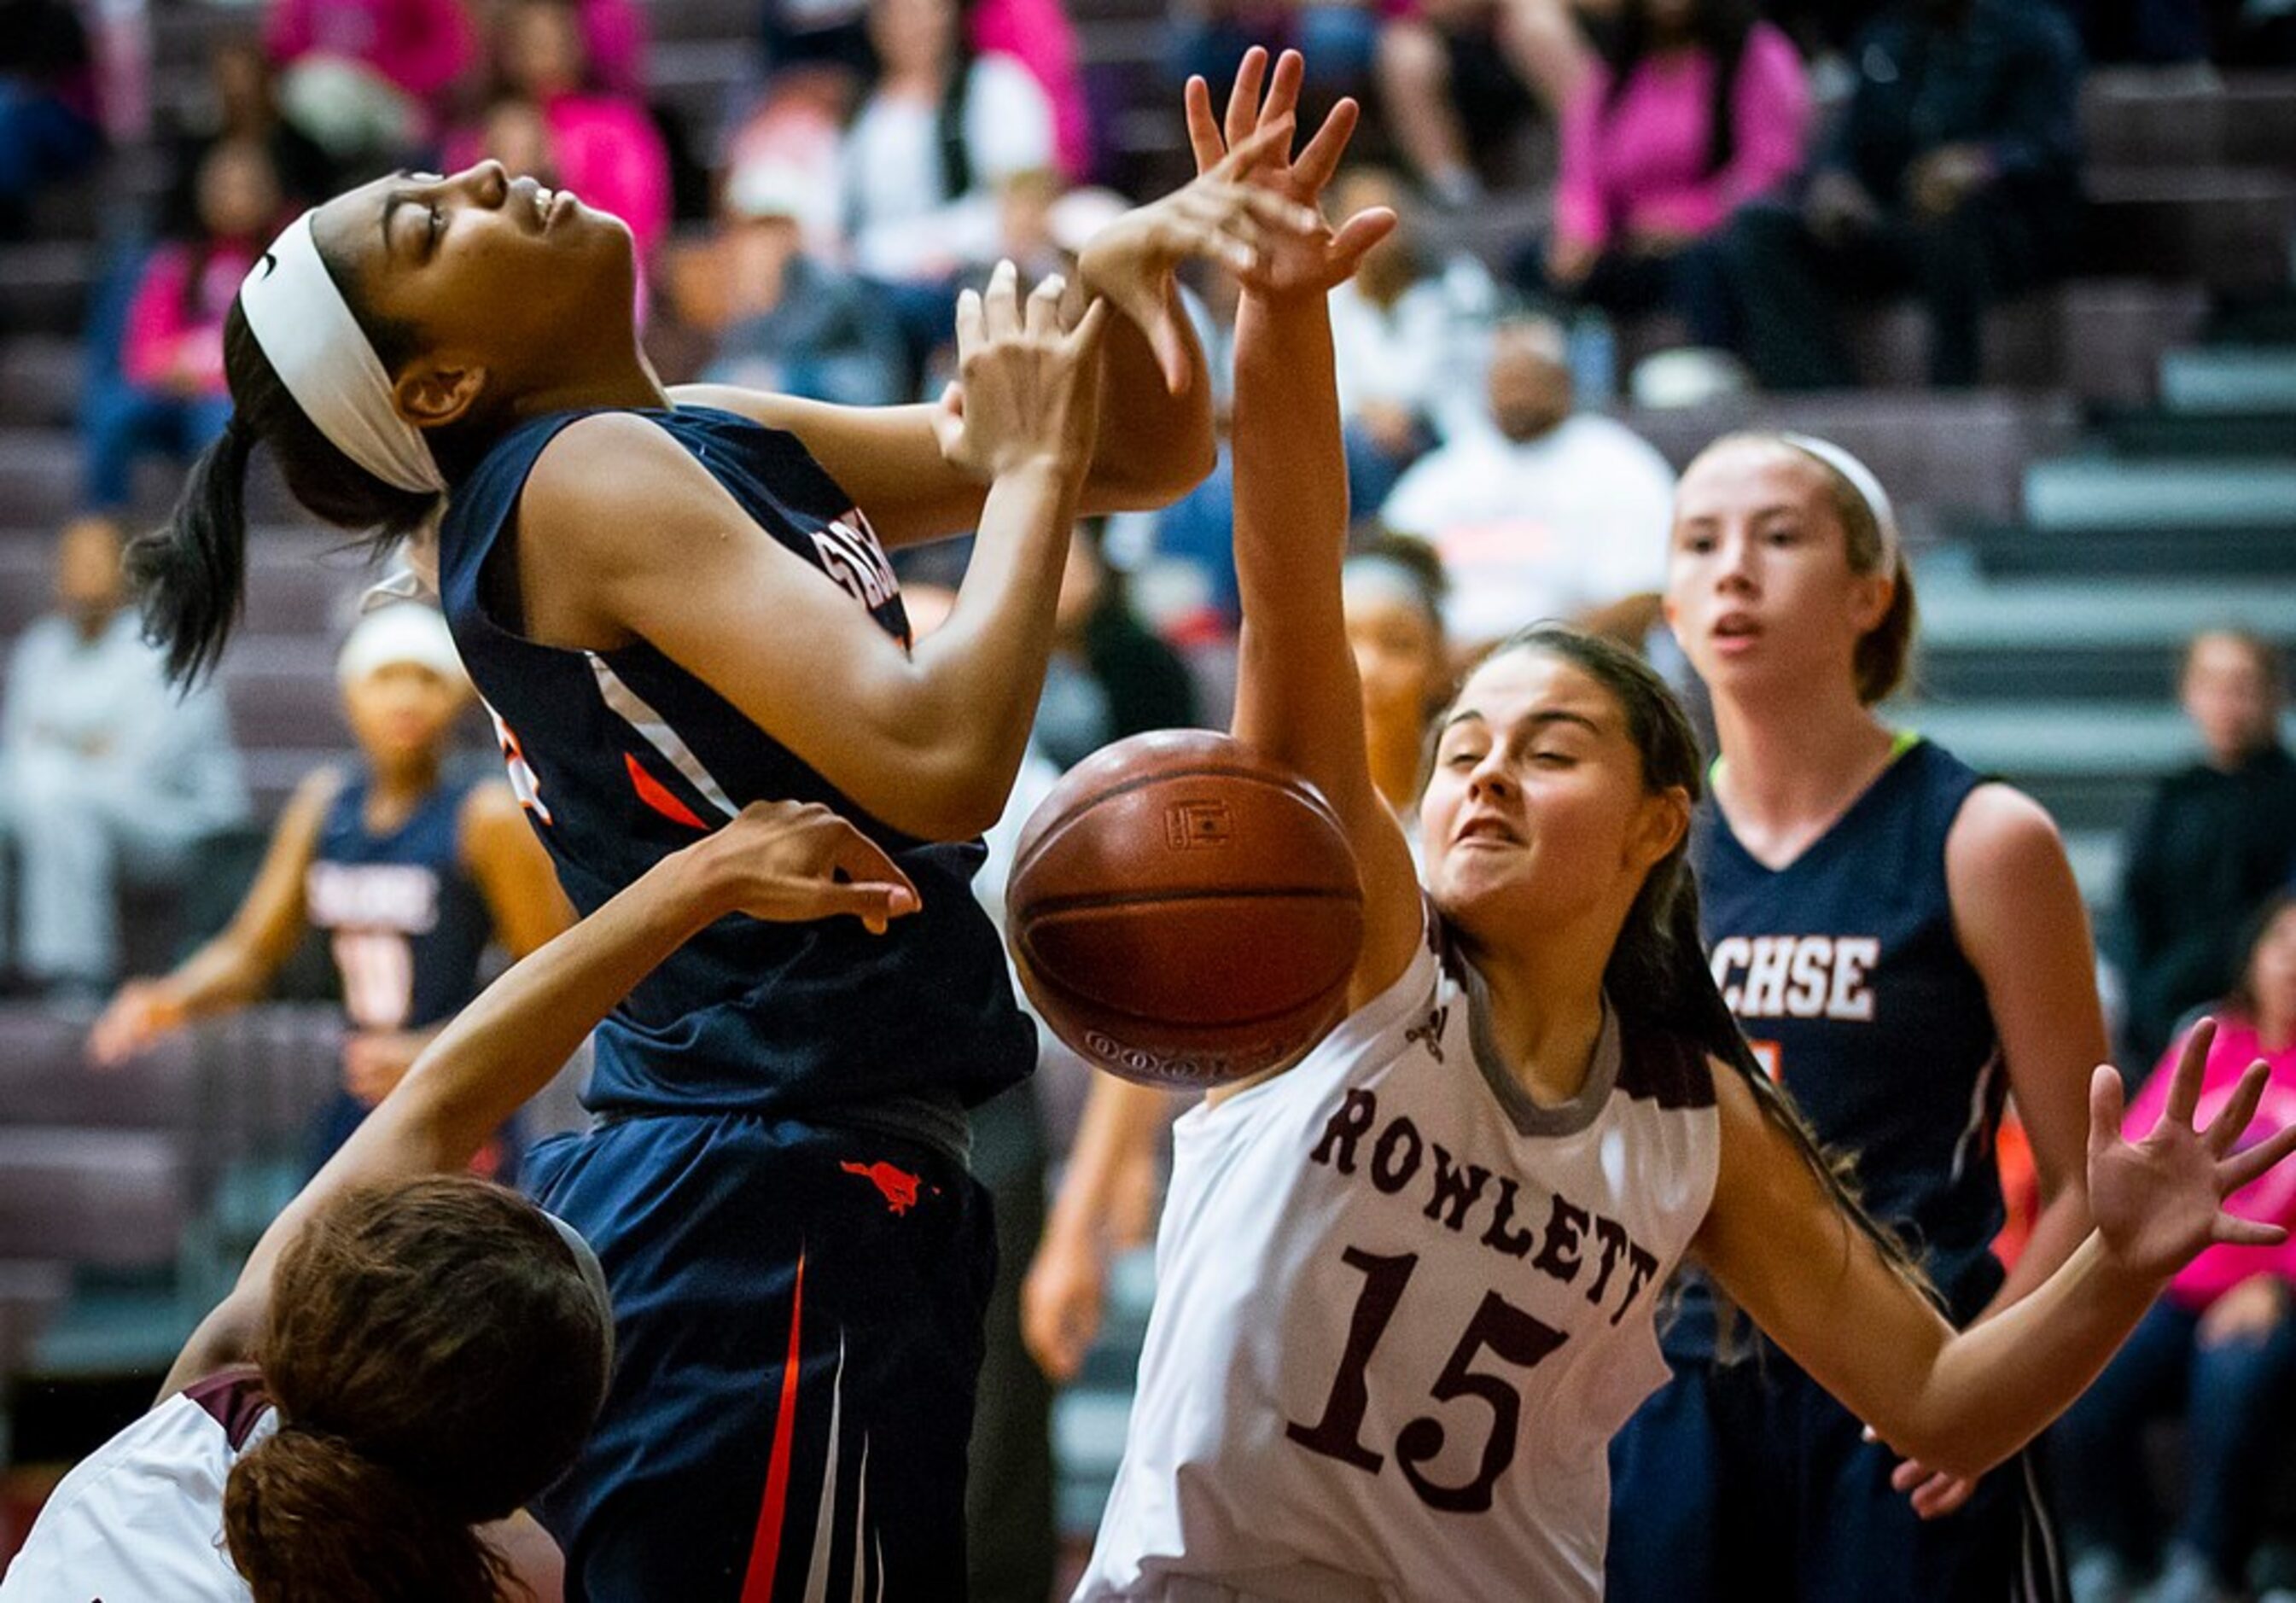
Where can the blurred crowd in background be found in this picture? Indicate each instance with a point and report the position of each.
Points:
(1655, 201)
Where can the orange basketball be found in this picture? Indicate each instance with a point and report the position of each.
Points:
(1183, 913)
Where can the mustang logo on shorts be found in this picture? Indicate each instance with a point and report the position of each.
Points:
(897, 1186)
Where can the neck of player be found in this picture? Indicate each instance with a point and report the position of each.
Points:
(1794, 762)
(1546, 1007)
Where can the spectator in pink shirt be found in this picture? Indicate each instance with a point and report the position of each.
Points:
(169, 395)
(1696, 109)
(602, 145)
(1039, 35)
(2220, 1343)
(364, 75)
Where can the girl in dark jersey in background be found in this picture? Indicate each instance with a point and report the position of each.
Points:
(409, 874)
(675, 605)
(1904, 944)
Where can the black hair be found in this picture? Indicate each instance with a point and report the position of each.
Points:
(190, 575)
(1720, 29)
(1657, 971)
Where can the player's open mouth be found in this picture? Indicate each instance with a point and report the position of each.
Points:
(1485, 828)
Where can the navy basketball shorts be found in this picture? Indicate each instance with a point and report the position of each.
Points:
(1748, 1480)
(796, 1319)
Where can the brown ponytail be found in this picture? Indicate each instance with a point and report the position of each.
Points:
(308, 1519)
(437, 1353)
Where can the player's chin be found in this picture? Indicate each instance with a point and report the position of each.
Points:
(1476, 887)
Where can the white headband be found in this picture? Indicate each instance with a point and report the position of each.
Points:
(1861, 479)
(320, 354)
(401, 632)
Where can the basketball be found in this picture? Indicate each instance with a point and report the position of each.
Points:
(1183, 913)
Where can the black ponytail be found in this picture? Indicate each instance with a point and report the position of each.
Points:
(190, 576)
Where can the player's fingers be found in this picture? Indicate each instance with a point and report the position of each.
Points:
(874, 904)
(2239, 1108)
(2192, 1068)
(2232, 1230)
(1316, 164)
(1283, 87)
(1271, 208)
(971, 324)
(859, 861)
(1359, 233)
(1243, 94)
(1001, 304)
(2242, 1167)
(1042, 315)
(1942, 1495)
(1084, 340)
(1204, 140)
(1909, 1474)
(1246, 153)
(2104, 1110)
(1213, 243)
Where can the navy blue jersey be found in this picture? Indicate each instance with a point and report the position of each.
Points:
(1846, 974)
(622, 757)
(406, 922)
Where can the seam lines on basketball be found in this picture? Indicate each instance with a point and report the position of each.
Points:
(1050, 906)
(1061, 825)
(1117, 1010)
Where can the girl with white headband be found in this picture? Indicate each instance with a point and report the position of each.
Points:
(675, 603)
(1904, 942)
(409, 871)
(1408, 1287)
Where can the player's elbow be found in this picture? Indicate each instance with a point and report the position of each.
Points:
(951, 791)
(1155, 482)
(1964, 1447)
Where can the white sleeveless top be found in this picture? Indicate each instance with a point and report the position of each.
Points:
(1400, 1310)
(141, 1519)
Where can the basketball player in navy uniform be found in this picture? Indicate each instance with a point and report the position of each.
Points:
(674, 604)
(410, 873)
(1904, 944)
(1406, 1288)
(406, 1358)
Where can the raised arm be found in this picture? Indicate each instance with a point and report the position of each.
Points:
(233, 968)
(1962, 1403)
(927, 741)
(1297, 699)
(776, 860)
(1153, 376)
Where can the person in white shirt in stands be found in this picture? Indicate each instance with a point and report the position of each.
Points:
(1541, 513)
(941, 132)
(105, 775)
(1411, 332)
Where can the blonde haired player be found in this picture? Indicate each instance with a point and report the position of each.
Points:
(1405, 1287)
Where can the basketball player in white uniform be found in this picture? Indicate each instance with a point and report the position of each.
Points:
(1406, 1289)
(143, 1519)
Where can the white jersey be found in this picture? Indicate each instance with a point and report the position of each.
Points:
(1400, 1310)
(141, 1517)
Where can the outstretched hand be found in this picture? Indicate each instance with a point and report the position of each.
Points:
(2158, 1201)
(1218, 218)
(1293, 261)
(1027, 387)
(793, 863)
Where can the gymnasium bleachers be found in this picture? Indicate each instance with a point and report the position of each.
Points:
(2127, 475)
